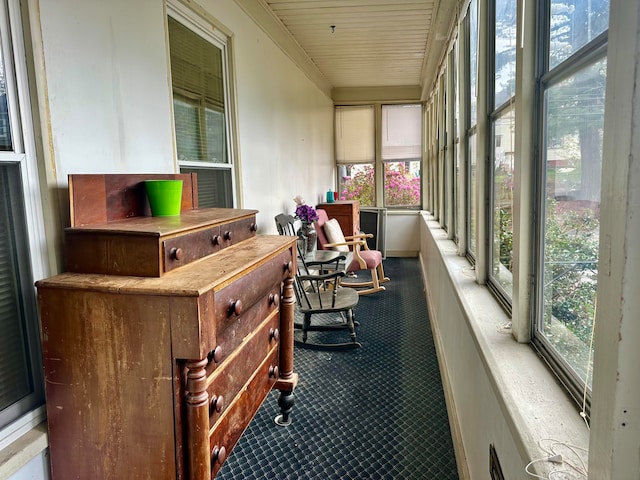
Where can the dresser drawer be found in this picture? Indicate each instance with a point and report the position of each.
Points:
(227, 380)
(235, 419)
(187, 248)
(233, 299)
(236, 232)
(233, 335)
(231, 302)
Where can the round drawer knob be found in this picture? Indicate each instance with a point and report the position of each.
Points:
(274, 299)
(227, 235)
(215, 239)
(177, 253)
(235, 307)
(219, 454)
(215, 354)
(254, 227)
(288, 266)
(274, 334)
(273, 371)
(216, 404)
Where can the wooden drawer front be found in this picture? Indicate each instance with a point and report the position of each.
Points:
(225, 382)
(184, 249)
(231, 302)
(237, 416)
(232, 336)
(235, 232)
(187, 248)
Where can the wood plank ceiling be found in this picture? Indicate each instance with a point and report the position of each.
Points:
(389, 49)
(358, 43)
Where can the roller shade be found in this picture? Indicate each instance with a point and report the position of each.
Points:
(355, 134)
(401, 132)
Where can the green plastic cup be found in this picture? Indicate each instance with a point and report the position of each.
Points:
(165, 197)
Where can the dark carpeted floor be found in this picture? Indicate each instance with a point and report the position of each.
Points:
(377, 412)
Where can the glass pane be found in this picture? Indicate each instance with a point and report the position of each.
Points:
(357, 182)
(216, 142)
(502, 183)
(574, 129)
(505, 51)
(472, 192)
(5, 128)
(402, 184)
(187, 129)
(573, 24)
(199, 102)
(15, 367)
(214, 187)
(473, 61)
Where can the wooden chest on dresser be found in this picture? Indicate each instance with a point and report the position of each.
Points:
(346, 212)
(155, 373)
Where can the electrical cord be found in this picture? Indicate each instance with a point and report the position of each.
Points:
(575, 466)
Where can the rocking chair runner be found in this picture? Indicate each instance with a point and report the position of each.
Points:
(321, 293)
(363, 257)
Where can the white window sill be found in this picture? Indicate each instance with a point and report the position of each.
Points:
(22, 450)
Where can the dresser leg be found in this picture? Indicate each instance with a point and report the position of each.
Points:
(286, 401)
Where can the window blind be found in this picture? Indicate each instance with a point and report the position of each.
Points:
(355, 134)
(401, 132)
(15, 377)
(214, 187)
(198, 89)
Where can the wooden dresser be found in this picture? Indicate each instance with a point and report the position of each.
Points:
(347, 212)
(164, 336)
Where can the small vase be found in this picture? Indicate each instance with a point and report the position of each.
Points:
(309, 234)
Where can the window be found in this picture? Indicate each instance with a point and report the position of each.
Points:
(355, 153)
(455, 136)
(201, 109)
(471, 124)
(400, 140)
(21, 384)
(572, 119)
(502, 148)
(402, 155)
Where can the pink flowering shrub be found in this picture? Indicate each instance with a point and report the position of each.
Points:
(401, 189)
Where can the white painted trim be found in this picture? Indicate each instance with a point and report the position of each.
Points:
(202, 24)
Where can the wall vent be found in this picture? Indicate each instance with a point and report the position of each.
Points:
(494, 464)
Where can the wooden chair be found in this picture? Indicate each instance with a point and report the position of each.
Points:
(318, 291)
(363, 257)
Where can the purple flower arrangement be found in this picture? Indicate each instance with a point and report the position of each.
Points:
(306, 213)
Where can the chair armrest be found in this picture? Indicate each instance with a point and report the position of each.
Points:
(359, 235)
(352, 242)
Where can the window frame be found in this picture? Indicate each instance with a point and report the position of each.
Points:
(494, 113)
(206, 30)
(378, 162)
(30, 410)
(589, 54)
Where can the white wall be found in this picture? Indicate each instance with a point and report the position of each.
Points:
(105, 100)
(107, 90)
